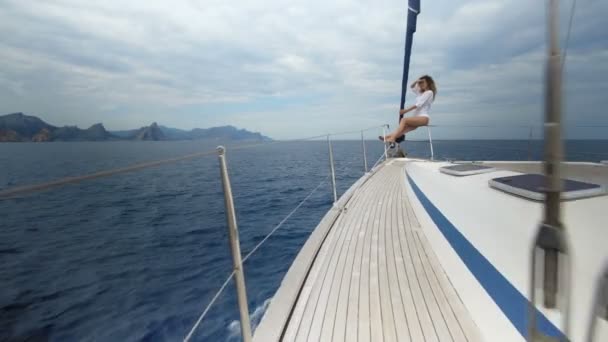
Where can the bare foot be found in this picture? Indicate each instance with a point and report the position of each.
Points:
(388, 139)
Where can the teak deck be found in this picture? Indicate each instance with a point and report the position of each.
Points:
(372, 276)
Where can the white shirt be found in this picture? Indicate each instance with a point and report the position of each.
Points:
(423, 102)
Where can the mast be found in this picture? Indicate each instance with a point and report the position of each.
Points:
(551, 236)
(553, 151)
(412, 17)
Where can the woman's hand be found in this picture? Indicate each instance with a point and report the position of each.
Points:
(402, 111)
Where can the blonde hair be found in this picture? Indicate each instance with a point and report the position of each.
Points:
(430, 84)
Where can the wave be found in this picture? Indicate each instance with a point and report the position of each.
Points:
(234, 328)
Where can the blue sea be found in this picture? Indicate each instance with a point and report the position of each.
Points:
(137, 256)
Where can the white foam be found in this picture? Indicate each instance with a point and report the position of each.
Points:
(234, 328)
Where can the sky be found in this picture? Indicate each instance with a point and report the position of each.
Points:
(299, 68)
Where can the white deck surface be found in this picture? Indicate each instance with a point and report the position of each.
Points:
(502, 227)
(375, 277)
(373, 270)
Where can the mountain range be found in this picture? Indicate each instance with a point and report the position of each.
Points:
(18, 127)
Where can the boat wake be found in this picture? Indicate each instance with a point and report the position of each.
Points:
(234, 328)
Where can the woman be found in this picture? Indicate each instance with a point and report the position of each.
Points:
(425, 90)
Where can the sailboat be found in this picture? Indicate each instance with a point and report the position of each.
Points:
(420, 250)
(425, 250)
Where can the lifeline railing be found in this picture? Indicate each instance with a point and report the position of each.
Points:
(32, 188)
(530, 152)
(245, 322)
(233, 230)
(238, 261)
(237, 273)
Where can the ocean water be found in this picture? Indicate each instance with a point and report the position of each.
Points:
(137, 256)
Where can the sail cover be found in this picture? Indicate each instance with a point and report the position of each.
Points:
(412, 15)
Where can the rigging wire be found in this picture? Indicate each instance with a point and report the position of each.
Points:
(466, 143)
(20, 190)
(378, 161)
(565, 52)
(277, 227)
(221, 289)
(215, 297)
(26, 189)
(284, 220)
(357, 131)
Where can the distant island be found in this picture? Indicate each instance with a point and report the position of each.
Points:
(18, 127)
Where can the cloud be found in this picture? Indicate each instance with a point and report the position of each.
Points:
(272, 66)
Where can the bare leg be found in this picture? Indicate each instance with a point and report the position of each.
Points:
(407, 125)
(406, 130)
(393, 136)
(402, 127)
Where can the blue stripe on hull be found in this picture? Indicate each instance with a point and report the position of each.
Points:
(512, 302)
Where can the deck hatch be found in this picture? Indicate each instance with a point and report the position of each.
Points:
(466, 169)
(531, 186)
